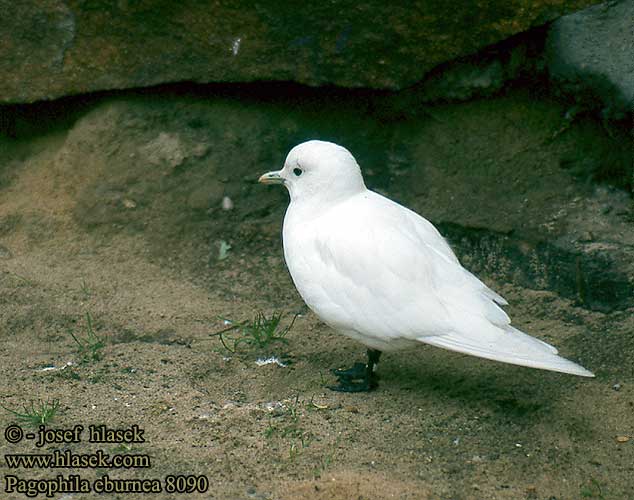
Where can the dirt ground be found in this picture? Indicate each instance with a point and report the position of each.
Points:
(134, 245)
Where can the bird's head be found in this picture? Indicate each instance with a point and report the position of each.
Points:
(318, 171)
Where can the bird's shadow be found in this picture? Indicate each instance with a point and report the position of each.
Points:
(515, 392)
(442, 378)
(499, 397)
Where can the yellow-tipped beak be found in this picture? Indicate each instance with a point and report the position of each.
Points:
(271, 178)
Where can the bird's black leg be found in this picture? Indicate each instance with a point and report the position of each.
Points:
(361, 377)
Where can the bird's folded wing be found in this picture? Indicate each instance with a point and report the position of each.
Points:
(389, 273)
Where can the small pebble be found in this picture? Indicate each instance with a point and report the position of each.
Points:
(616, 387)
(227, 203)
(622, 439)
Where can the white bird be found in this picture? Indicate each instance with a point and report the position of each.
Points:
(381, 274)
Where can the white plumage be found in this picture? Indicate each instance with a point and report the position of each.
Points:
(383, 275)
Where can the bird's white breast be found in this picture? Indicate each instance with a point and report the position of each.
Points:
(360, 273)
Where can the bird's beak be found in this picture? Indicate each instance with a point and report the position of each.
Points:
(271, 178)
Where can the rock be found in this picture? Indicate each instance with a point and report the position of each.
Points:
(590, 55)
(52, 48)
(166, 149)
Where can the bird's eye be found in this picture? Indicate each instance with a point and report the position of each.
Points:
(298, 171)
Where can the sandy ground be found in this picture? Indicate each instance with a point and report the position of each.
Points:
(440, 426)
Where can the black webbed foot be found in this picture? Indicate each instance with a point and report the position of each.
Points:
(356, 372)
(360, 378)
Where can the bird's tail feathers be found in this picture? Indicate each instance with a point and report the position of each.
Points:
(509, 346)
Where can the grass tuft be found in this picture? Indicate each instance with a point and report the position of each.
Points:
(260, 332)
(89, 347)
(35, 415)
(85, 289)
